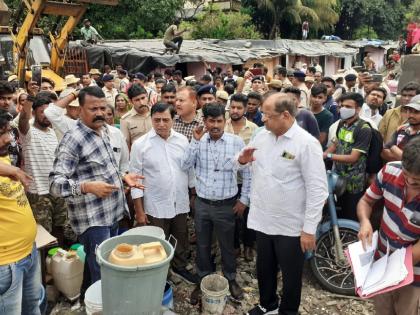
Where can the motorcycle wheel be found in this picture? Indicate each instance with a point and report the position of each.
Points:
(333, 277)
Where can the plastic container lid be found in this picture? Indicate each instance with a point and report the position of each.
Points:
(93, 295)
(53, 251)
(75, 246)
(81, 253)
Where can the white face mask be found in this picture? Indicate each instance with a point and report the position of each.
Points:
(346, 113)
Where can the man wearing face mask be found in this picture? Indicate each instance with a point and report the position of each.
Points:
(349, 153)
(87, 175)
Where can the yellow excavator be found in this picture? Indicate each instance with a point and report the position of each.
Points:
(30, 46)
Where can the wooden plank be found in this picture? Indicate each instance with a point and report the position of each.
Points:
(60, 9)
(103, 2)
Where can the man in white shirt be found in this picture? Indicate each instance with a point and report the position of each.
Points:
(63, 118)
(374, 101)
(39, 143)
(157, 156)
(288, 192)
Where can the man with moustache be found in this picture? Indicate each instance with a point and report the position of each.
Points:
(87, 175)
(187, 117)
(137, 121)
(212, 155)
(168, 94)
(39, 143)
(205, 95)
(374, 101)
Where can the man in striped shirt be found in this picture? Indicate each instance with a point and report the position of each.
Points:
(39, 143)
(398, 183)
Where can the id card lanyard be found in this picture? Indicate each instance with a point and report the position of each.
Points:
(214, 155)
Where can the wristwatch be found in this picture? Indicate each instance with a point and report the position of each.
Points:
(329, 156)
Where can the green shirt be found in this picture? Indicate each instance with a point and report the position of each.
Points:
(89, 33)
(324, 119)
(348, 140)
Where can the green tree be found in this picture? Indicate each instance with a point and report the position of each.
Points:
(129, 19)
(217, 24)
(284, 17)
(134, 18)
(413, 12)
(290, 10)
(381, 16)
(326, 10)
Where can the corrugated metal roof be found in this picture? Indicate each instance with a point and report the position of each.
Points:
(149, 52)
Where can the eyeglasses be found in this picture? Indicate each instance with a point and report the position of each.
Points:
(270, 116)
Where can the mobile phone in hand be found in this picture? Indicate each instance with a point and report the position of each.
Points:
(36, 74)
(256, 71)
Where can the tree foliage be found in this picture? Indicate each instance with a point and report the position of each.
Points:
(348, 19)
(283, 17)
(383, 17)
(129, 19)
(413, 12)
(217, 24)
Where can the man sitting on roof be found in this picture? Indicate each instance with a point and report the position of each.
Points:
(172, 38)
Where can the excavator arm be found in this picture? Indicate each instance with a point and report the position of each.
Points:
(73, 10)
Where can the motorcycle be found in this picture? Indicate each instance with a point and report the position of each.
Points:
(328, 262)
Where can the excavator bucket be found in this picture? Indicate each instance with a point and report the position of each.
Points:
(103, 2)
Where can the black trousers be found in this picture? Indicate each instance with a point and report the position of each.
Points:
(175, 43)
(348, 203)
(274, 251)
(176, 227)
(242, 232)
(221, 219)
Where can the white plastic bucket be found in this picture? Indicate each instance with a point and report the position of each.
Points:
(93, 299)
(215, 289)
(148, 230)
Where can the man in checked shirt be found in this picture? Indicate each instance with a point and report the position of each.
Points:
(86, 174)
(212, 154)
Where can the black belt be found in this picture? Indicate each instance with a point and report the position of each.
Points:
(218, 202)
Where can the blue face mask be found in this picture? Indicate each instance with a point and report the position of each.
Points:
(346, 113)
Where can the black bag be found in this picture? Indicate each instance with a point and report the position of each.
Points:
(374, 162)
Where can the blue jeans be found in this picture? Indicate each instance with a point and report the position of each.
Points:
(91, 239)
(20, 286)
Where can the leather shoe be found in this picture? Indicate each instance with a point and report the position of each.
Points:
(248, 253)
(195, 295)
(235, 290)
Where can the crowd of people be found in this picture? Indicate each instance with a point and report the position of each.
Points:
(242, 155)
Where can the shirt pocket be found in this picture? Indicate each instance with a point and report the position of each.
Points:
(285, 171)
(97, 169)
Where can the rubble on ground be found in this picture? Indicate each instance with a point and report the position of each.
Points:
(315, 301)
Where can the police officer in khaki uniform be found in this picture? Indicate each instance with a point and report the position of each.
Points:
(137, 121)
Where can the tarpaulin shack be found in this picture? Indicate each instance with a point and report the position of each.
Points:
(147, 55)
(331, 55)
(378, 50)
